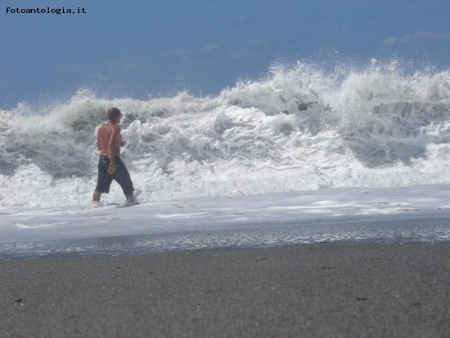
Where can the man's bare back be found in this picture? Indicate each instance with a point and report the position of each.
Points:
(109, 135)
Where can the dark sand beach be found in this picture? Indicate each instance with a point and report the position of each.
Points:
(312, 290)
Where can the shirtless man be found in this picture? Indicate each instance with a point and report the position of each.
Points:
(110, 166)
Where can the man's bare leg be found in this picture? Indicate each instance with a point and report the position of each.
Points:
(96, 196)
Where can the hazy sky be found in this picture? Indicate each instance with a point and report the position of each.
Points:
(139, 48)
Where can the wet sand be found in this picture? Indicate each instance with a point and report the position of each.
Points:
(311, 290)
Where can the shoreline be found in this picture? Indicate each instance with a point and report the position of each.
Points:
(331, 289)
(430, 230)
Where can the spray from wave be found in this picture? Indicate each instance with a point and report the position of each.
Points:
(300, 128)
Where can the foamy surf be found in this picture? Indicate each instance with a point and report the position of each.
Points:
(391, 215)
(230, 212)
(298, 129)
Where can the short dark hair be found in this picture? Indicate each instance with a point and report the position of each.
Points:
(113, 113)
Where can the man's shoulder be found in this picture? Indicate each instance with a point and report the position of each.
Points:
(109, 127)
(112, 126)
(115, 128)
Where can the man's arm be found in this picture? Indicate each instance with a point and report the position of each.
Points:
(98, 144)
(111, 149)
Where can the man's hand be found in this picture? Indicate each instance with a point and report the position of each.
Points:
(112, 168)
(123, 143)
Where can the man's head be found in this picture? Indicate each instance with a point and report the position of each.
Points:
(114, 115)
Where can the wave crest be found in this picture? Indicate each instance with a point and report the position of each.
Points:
(300, 128)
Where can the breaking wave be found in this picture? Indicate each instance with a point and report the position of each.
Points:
(299, 128)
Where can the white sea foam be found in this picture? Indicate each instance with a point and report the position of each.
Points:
(300, 128)
(398, 214)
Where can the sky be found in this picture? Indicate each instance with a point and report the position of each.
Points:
(157, 48)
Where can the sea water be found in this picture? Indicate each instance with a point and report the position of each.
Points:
(299, 128)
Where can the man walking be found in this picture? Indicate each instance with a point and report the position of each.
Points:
(110, 166)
